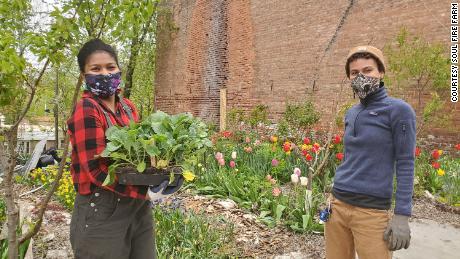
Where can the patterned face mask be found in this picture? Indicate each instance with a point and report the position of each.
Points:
(364, 85)
(103, 85)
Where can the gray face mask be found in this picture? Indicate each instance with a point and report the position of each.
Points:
(364, 85)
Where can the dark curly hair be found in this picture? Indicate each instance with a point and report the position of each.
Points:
(92, 46)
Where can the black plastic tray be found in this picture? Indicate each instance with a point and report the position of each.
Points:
(151, 176)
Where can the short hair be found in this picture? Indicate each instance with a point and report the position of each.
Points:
(93, 46)
(365, 55)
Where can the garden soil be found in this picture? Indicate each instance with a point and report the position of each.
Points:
(435, 231)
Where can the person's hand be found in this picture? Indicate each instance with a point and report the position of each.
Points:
(397, 234)
(156, 193)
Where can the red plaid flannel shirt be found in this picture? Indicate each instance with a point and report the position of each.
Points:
(87, 128)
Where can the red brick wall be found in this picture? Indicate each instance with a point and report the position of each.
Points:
(270, 52)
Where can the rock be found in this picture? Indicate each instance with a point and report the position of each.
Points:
(210, 209)
(291, 255)
(249, 216)
(227, 204)
(49, 237)
(56, 254)
(429, 195)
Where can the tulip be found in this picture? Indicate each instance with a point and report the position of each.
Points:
(337, 139)
(339, 156)
(436, 154)
(457, 147)
(275, 162)
(316, 147)
(221, 162)
(268, 177)
(287, 147)
(276, 192)
(308, 157)
(294, 178)
(441, 172)
(306, 141)
(297, 171)
(273, 181)
(232, 164)
(304, 147)
(219, 156)
(248, 140)
(248, 149)
(274, 139)
(303, 181)
(234, 155)
(435, 165)
(418, 151)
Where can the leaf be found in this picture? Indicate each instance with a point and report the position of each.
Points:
(264, 213)
(305, 221)
(141, 167)
(152, 150)
(279, 211)
(110, 178)
(112, 147)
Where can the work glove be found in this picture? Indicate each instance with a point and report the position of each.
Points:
(159, 192)
(397, 233)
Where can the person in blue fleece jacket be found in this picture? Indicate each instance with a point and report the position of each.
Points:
(379, 143)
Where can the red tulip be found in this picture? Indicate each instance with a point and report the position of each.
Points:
(337, 139)
(339, 156)
(227, 134)
(418, 151)
(306, 141)
(287, 147)
(457, 147)
(435, 165)
(436, 154)
(308, 157)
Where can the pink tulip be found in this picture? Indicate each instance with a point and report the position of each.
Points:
(268, 177)
(275, 162)
(276, 192)
(248, 140)
(221, 162)
(232, 164)
(219, 156)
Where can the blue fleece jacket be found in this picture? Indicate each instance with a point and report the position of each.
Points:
(379, 140)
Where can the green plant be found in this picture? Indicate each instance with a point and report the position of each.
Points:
(298, 119)
(171, 139)
(234, 118)
(258, 114)
(2, 212)
(415, 64)
(47, 175)
(189, 235)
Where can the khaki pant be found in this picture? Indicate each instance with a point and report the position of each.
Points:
(352, 228)
(105, 225)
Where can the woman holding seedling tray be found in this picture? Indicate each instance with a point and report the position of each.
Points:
(113, 219)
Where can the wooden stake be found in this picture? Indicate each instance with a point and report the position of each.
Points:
(223, 108)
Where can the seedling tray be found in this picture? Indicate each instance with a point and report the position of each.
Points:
(151, 176)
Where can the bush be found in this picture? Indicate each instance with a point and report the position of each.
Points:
(298, 119)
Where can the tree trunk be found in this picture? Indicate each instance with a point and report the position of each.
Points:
(12, 208)
(135, 46)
